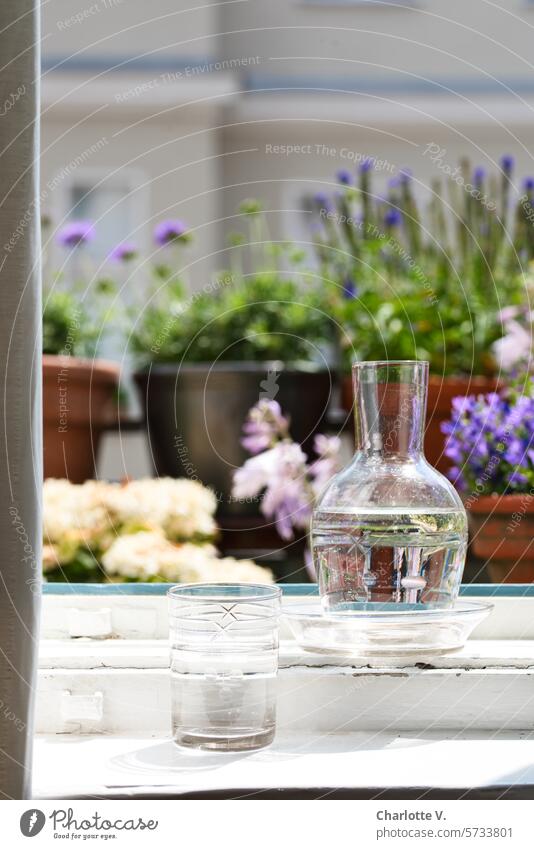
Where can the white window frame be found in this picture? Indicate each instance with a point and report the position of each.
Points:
(135, 180)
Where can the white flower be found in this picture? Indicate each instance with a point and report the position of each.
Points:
(154, 529)
(74, 515)
(148, 555)
(239, 571)
(181, 508)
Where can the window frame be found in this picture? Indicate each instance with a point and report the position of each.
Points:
(139, 611)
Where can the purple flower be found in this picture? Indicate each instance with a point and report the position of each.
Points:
(344, 177)
(489, 441)
(528, 184)
(349, 289)
(455, 474)
(288, 498)
(265, 424)
(507, 164)
(172, 230)
(289, 502)
(462, 406)
(394, 183)
(76, 233)
(405, 176)
(518, 478)
(322, 200)
(479, 175)
(365, 166)
(124, 252)
(393, 217)
(515, 453)
(453, 451)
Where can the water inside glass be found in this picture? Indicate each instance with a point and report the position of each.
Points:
(224, 666)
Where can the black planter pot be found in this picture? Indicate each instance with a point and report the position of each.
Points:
(195, 413)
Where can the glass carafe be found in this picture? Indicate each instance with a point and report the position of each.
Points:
(389, 528)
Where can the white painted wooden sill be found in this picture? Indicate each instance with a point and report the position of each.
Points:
(117, 680)
(461, 720)
(138, 767)
(146, 617)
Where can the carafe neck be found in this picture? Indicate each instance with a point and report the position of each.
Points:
(390, 407)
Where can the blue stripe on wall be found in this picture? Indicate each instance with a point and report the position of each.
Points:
(96, 64)
(301, 82)
(443, 86)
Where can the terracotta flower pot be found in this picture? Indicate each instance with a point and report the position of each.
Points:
(502, 531)
(79, 401)
(441, 391)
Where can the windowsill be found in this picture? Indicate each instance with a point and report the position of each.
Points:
(487, 686)
(85, 683)
(364, 763)
(154, 654)
(359, 726)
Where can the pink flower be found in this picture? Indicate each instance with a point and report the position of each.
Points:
(514, 347)
(290, 504)
(280, 469)
(327, 448)
(281, 474)
(265, 424)
(508, 313)
(254, 474)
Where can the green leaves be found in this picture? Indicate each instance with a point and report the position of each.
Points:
(276, 310)
(67, 327)
(415, 291)
(250, 207)
(265, 316)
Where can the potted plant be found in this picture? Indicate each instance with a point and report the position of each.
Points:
(260, 330)
(425, 286)
(152, 530)
(490, 441)
(79, 390)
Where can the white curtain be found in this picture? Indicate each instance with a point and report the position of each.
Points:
(20, 390)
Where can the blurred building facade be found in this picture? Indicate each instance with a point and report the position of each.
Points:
(177, 109)
(173, 109)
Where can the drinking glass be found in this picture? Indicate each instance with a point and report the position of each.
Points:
(389, 528)
(224, 661)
